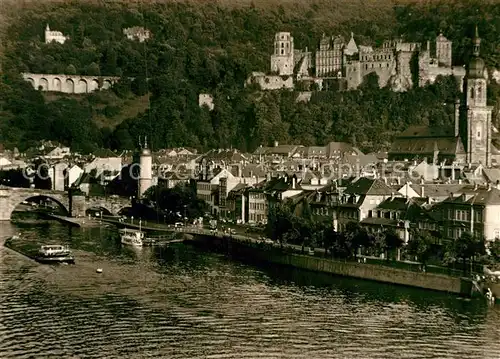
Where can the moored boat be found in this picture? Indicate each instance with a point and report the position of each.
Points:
(55, 253)
(132, 237)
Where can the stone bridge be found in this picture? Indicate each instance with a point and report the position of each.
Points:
(69, 83)
(74, 205)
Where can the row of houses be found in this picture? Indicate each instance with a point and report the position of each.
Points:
(447, 209)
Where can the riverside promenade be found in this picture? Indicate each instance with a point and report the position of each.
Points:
(253, 248)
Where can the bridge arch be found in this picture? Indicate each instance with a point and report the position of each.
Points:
(18, 199)
(32, 82)
(109, 205)
(70, 86)
(82, 86)
(43, 84)
(57, 86)
(94, 85)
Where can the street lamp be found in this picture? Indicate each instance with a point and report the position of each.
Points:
(185, 218)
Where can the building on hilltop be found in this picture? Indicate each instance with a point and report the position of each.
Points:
(329, 56)
(470, 141)
(137, 33)
(56, 36)
(345, 66)
(435, 60)
(282, 62)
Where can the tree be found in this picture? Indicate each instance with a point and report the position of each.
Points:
(357, 237)
(392, 241)
(42, 178)
(420, 245)
(70, 70)
(279, 223)
(464, 248)
(180, 201)
(494, 249)
(93, 69)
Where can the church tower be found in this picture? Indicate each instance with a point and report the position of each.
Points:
(475, 116)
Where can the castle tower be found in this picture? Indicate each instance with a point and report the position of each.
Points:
(443, 50)
(282, 58)
(475, 116)
(146, 170)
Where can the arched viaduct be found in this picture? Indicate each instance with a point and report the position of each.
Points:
(75, 205)
(69, 83)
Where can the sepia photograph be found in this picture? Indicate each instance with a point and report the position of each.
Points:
(250, 179)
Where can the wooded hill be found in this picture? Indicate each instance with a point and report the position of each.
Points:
(212, 47)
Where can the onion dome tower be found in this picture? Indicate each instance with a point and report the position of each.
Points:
(475, 117)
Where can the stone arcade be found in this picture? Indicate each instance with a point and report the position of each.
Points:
(69, 83)
(75, 205)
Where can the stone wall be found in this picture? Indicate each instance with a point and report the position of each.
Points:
(378, 273)
(69, 83)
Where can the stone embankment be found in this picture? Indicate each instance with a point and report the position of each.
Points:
(250, 249)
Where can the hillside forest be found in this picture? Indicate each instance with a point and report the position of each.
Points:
(209, 48)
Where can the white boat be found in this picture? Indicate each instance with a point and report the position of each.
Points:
(132, 237)
(55, 253)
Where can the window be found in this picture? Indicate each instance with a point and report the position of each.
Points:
(282, 52)
(472, 93)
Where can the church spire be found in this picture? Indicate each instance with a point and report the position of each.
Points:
(476, 42)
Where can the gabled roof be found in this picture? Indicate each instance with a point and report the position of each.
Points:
(368, 186)
(477, 195)
(437, 190)
(282, 184)
(104, 153)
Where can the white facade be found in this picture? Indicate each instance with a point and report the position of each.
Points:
(146, 171)
(205, 99)
(4, 162)
(111, 164)
(57, 176)
(56, 36)
(73, 174)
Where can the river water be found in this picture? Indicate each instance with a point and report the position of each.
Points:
(180, 302)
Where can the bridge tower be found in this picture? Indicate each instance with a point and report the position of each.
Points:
(146, 170)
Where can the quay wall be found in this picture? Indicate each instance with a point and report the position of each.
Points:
(247, 251)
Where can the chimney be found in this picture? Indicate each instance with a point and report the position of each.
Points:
(293, 182)
(422, 190)
(457, 117)
(392, 196)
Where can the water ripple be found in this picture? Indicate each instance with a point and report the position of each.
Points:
(200, 305)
